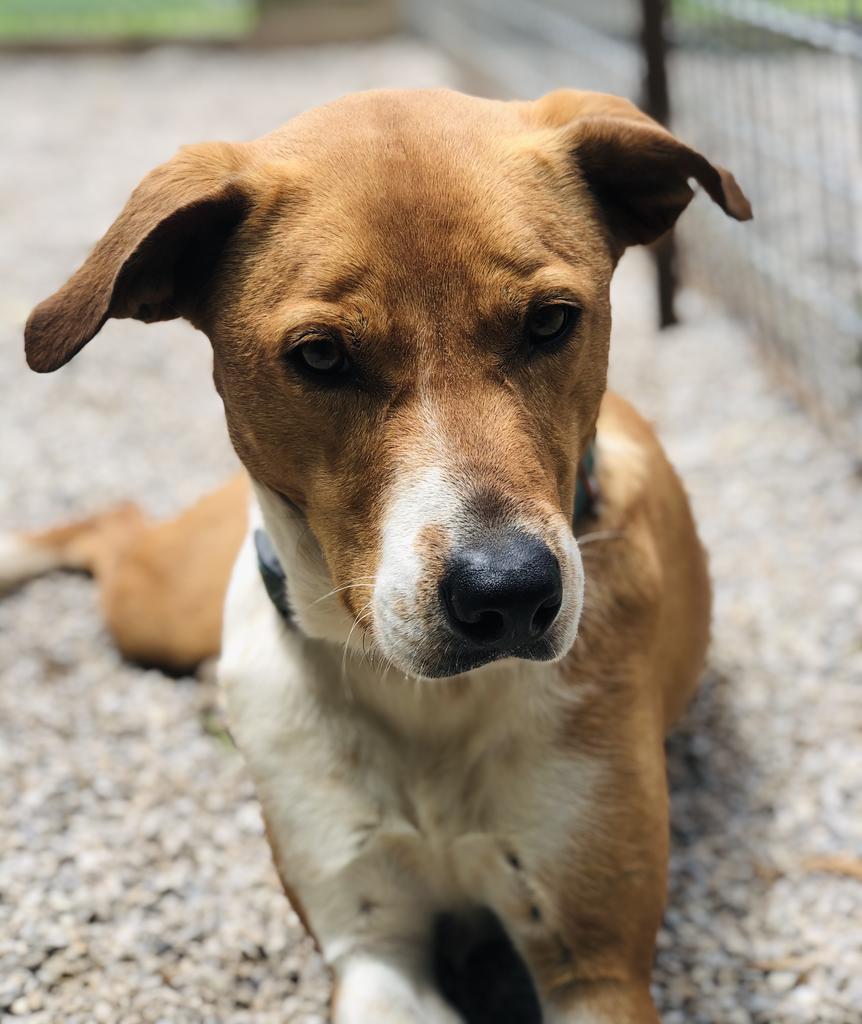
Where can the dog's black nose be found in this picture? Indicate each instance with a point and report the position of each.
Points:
(503, 593)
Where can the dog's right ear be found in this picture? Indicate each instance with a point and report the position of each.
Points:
(637, 171)
(154, 259)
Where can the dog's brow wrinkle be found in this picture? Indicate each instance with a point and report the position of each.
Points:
(520, 264)
(340, 285)
(561, 249)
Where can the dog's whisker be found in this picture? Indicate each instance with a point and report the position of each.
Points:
(357, 584)
(597, 535)
(364, 612)
(367, 652)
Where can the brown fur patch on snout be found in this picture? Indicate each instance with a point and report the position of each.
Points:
(433, 547)
(512, 454)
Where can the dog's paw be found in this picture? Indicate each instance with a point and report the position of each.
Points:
(374, 992)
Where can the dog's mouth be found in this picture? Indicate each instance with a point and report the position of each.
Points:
(459, 662)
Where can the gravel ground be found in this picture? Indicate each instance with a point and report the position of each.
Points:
(135, 884)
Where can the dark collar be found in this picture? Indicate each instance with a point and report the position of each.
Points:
(275, 580)
(273, 575)
(587, 487)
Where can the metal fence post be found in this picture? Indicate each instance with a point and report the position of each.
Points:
(657, 104)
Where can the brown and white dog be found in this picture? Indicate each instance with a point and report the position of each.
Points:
(407, 298)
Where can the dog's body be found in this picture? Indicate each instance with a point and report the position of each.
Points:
(535, 790)
(426, 736)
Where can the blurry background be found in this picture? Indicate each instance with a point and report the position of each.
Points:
(135, 884)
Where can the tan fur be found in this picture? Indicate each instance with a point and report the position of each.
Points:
(162, 584)
(418, 229)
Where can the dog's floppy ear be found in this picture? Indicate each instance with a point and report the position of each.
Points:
(636, 169)
(155, 257)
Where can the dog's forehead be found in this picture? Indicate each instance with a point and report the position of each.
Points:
(435, 152)
(427, 192)
(380, 121)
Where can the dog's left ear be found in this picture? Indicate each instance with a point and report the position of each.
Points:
(635, 168)
(154, 260)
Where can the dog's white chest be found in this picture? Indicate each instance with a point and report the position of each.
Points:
(376, 827)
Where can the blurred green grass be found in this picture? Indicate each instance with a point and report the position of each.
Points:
(835, 10)
(65, 20)
(105, 20)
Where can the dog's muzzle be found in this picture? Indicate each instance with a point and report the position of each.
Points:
(462, 583)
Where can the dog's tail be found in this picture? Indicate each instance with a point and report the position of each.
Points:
(82, 546)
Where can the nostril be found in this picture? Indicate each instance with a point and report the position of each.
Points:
(481, 626)
(544, 616)
(489, 627)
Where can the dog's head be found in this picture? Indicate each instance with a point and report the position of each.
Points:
(407, 297)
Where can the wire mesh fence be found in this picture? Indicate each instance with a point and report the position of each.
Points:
(776, 90)
(773, 89)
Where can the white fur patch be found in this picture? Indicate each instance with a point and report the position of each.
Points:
(371, 990)
(423, 499)
(21, 560)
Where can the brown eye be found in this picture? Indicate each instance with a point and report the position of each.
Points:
(549, 323)
(323, 355)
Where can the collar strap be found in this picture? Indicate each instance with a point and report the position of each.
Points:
(275, 579)
(587, 487)
(273, 575)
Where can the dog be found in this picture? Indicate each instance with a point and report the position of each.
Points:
(466, 598)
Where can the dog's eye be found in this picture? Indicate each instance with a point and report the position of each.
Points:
(324, 356)
(549, 323)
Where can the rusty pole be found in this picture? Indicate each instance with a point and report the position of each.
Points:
(657, 104)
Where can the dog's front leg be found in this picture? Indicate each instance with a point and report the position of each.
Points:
(368, 913)
(372, 923)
